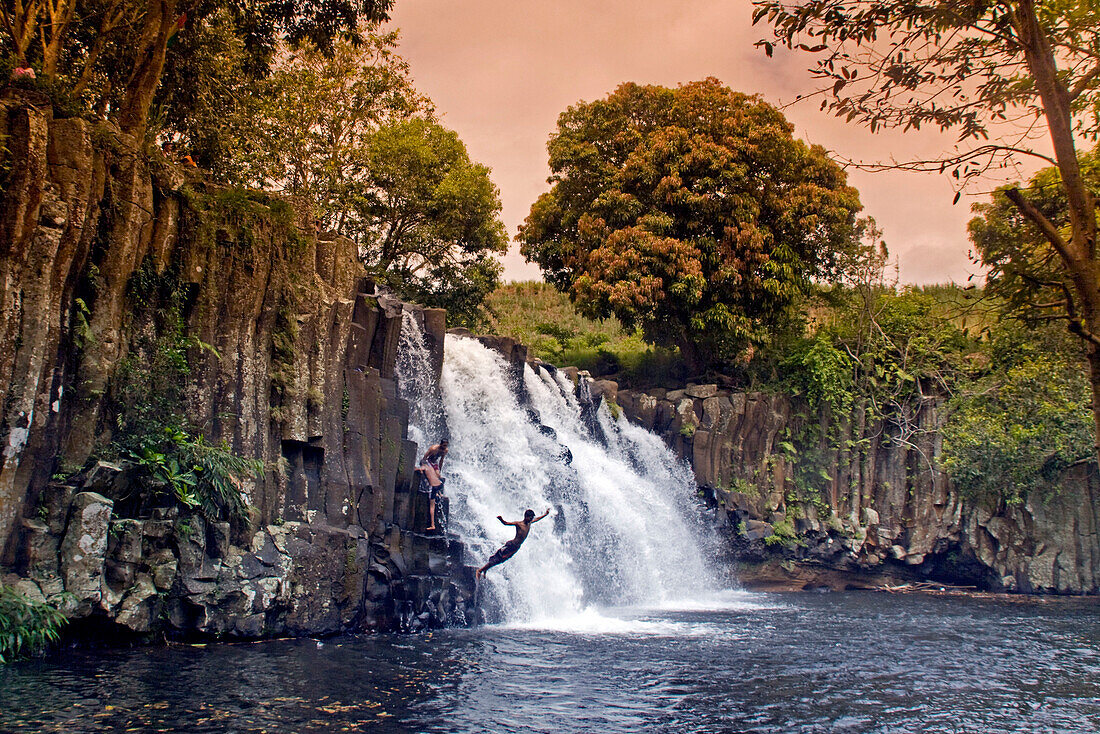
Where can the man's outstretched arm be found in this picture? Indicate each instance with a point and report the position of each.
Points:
(542, 515)
(503, 521)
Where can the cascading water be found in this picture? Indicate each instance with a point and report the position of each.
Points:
(623, 527)
(416, 383)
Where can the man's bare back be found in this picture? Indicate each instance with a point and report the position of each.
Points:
(523, 527)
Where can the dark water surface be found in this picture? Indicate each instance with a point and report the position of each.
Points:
(852, 662)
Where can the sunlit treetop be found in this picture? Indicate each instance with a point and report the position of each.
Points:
(692, 213)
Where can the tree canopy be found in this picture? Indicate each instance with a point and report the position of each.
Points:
(427, 218)
(691, 212)
(1025, 273)
(112, 53)
(997, 73)
(350, 134)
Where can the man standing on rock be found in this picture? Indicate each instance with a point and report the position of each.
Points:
(523, 527)
(431, 465)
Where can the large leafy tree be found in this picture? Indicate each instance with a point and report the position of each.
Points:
(350, 134)
(997, 72)
(690, 212)
(304, 128)
(427, 218)
(115, 51)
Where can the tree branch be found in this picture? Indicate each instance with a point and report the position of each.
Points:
(1050, 232)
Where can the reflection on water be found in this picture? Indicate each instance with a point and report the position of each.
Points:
(855, 662)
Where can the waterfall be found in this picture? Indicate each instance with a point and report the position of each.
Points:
(624, 529)
(416, 383)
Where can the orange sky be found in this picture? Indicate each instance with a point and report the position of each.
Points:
(500, 72)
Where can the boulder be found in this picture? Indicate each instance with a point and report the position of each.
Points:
(701, 391)
(84, 549)
(607, 389)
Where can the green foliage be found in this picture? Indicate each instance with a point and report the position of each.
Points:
(304, 128)
(743, 486)
(350, 134)
(978, 69)
(614, 409)
(1018, 398)
(692, 213)
(26, 627)
(81, 330)
(147, 401)
(148, 389)
(427, 218)
(871, 359)
(1013, 431)
(200, 476)
(783, 533)
(1025, 273)
(59, 91)
(109, 57)
(538, 315)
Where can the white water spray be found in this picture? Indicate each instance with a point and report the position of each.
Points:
(623, 527)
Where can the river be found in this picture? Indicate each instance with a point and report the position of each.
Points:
(738, 662)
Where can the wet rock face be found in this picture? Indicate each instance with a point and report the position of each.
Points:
(880, 517)
(300, 377)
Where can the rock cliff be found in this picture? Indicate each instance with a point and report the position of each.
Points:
(289, 359)
(876, 514)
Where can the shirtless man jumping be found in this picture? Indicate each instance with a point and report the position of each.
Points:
(523, 527)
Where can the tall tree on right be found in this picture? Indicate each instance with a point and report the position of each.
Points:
(995, 72)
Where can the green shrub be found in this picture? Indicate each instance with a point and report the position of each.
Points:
(783, 533)
(26, 627)
(198, 475)
(1014, 430)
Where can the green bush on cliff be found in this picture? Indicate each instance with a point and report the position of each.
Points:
(1013, 430)
(27, 627)
(199, 475)
(151, 428)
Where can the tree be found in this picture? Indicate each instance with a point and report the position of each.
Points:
(117, 49)
(1025, 273)
(302, 128)
(428, 219)
(690, 212)
(978, 68)
(350, 134)
(1013, 430)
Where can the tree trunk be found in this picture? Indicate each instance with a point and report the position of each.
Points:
(696, 365)
(1078, 254)
(148, 65)
(1094, 381)
(61, 15)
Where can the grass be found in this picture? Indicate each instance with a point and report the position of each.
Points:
(539, 316)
